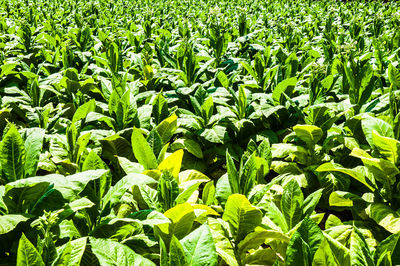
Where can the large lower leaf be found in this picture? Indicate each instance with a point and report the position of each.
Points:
(109, 252)
(33, 147)
(385, 217)
(9, 221)
(12, 155)
(222, 243)
(359, 251)
(72, 255)
(199, 247)
(331, 167)
(304, 243)
(142, 150)
(291, 203)
(27, 254)
(241, 215)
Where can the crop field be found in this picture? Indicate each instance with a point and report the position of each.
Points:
(180, 132)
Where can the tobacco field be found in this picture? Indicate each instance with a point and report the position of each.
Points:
(184, 132)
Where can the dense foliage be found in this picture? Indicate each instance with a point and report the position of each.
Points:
(199, 132)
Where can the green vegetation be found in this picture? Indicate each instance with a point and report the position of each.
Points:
(199, 132)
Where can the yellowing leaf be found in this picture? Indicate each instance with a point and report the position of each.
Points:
(172, 163)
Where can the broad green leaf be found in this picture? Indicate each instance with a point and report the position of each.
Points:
(177, 255)
(109, 252)
(331, 167)
(255, 239)
(222, 243)
(394, 75)
(311, 202)
(115, 193)
(142, 150)
(233, 174)
(277, 217)
(291, 203)
(12, 155)
(241, 215)
(69, 187)
(116, 145)
(389, 246)
(188, 144)
(27, 253)
(182, 217)
(77, 248)
(284, 87)
(130, 167)
(8, 222)
(83, 110)
(304, 243)
(160, 108)
(308, 133)
(339, 251)
(383, 170)
(265, 256)
(371, 124)
(359, 250)
(190, 175)
(223, 79)
(33, 147)
(167, 128)
(385, 217)
(93, 162)
(388, 147)
(199, 247)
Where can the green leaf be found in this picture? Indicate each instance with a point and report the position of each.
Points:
(284, 87)
(385, 217)
(394, 75)
(277, 217)
(241, 215)
(389, 246)
(359, 251)
(177, 254)
(242, 103)
(222, 243)
(309, 134)
(311, 202)
(304, 243)
(8, 222)
(167, 128)
(291, 203)
(331, 167)
(255, 239)
(370, 124)
(188, 144)
(233, 176)
(27, 254)
(12, 155)
(130, 167)
(109, 252)
(388, 147)
(223, 79)
(33, 147)
(182, 217)
(142, 150)
(77, 250)
(93, 162)
(199, 247)
(84, 110)
(160, 108)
